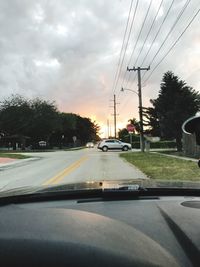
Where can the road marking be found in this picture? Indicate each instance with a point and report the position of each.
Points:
(57, 178)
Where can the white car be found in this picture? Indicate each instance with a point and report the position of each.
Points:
(110, 144)
(90, 145)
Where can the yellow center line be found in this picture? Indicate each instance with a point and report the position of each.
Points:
(57, 178)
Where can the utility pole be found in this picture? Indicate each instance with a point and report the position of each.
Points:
(115, 115)
(115, 119)
(140, 103)
(108, 127)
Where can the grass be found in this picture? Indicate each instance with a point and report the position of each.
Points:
(161, 167)
(13, 156)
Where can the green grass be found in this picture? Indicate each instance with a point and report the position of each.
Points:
(13, 156)
(161, 167)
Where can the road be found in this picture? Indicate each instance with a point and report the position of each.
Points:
(53, 168)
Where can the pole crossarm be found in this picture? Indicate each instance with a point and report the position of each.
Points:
(136, 69)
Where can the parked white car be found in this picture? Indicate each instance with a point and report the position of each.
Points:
(111, 144)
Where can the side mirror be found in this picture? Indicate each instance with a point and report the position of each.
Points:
(199, 163)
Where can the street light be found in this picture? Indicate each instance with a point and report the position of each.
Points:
(123, 89)
(140, 114)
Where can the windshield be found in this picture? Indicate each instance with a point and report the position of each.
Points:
(99, 92)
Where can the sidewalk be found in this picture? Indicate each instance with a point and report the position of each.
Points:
(6, 160)
(174, 156)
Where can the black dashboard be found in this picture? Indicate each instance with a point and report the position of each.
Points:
(157, 231)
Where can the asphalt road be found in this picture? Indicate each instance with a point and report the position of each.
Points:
(53, 168)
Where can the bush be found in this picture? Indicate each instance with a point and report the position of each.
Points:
(126, 138)
(161, 144)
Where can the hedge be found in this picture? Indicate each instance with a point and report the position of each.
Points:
(161, 144)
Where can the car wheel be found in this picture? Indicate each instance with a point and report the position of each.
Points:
(125, 148)
(105, 148)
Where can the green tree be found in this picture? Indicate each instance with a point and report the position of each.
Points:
(136, 124)
(123, 135)
(45, 120)
(176, 102)
(40, 120)
(86, 129)
(15, 115)
(151, 121)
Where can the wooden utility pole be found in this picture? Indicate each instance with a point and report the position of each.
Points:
(140, 104)
(115, 115)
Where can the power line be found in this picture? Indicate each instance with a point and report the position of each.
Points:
(173, 45)
(170, 31)
(140, 31)
(150, 29)
(129, 34)
(155, 37)
(124, 37)
(133, 51)
(158, 10)
(164, 19)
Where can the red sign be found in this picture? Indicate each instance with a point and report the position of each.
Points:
(130, 128)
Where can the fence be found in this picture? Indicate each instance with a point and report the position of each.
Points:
(190, 146)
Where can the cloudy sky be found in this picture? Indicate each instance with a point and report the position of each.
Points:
(68, 51)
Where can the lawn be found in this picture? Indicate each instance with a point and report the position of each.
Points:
(13, 156)
(161, 167)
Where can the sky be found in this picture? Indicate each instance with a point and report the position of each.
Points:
(68, 52)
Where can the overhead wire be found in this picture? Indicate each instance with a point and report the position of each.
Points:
(157, 33)
(122, 46)
(124, 37)
(134, 48)
(155, 37)
(173, 45)
(150, 29)
(127, 42)
(170, 31)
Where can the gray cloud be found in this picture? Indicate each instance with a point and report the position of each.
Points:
(68, 51)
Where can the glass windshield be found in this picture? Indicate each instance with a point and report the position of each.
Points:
(96, 91)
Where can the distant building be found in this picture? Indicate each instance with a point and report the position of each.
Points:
(191, 136)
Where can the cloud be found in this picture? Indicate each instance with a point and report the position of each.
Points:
(68, 51)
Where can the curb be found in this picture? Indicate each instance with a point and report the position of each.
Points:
(17, 162)
(176, 157)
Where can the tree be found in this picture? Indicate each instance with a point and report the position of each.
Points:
(176, 102)
(151, 121)
(86, 129)
(15, 115)
(40, 120)
(45, 120)
(35, 119)
(123, 135)
(136, 124)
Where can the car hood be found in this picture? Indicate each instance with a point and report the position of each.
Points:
(102, 184)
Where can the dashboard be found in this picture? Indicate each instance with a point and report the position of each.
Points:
(153, 231)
